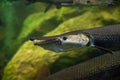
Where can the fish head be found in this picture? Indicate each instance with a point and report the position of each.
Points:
(76, 39)
(62, 43)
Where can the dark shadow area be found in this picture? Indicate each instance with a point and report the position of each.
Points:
(75, 13)
(50, 24)
(109, 22)
(46, 27)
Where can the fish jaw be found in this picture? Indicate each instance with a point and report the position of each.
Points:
(52, 44)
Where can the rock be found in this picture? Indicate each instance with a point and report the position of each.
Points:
(29, 63)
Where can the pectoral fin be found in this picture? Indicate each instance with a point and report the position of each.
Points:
(104, 49)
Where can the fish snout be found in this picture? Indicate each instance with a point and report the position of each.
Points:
(43, 41)
(51, 41)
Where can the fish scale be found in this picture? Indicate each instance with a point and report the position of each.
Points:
(104, 67)
(93, 2)
(106, 36)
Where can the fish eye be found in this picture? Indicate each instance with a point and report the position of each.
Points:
(64, 38)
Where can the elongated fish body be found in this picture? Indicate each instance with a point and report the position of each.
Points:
(77, 1)
(93, 2)
(73, 2)
(106, 38)
(67, 3)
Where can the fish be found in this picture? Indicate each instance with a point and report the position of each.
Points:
(106, 66)
(106, 38)
(94, 2)
(68, 3)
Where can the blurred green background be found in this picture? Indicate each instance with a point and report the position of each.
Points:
(19, 21)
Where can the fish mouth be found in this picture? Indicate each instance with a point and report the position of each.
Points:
(45, 40)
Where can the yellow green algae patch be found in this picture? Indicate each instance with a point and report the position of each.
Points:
(29, 61)
(35, 63)
(94, 17)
